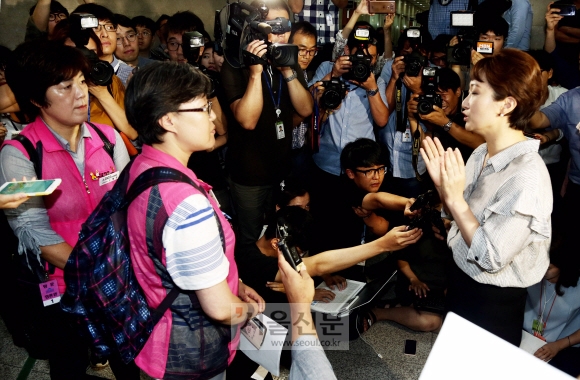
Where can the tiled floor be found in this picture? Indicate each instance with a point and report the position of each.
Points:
(360, 362)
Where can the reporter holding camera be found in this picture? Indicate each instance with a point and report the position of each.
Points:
(263, 99)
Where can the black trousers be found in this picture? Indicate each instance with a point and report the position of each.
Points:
(495, 309)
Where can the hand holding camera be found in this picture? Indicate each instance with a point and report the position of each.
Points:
(341, 66)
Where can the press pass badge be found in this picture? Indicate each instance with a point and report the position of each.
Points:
(484, 47)
(108, 178)
(407, 136)
(280, 130)
(49, 292)
(329, 20)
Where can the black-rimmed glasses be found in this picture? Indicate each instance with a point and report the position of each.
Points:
(173, 46)
(108, 28)
(54, 16)
(131, 37)
(207, 109)
(310, 52)
(372, 172)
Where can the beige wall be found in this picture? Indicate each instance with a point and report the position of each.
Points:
(14, 13)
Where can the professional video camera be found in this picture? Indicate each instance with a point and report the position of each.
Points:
(428, 215)
(460, 54)
(101, 72)
(361, 60)
(334, 92)
(242, 24)
(430, 86)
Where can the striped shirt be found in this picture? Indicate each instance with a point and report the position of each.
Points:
(511, 198)
(194, 255)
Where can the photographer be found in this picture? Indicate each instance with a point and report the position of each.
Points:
(264, 100)
(444, 121)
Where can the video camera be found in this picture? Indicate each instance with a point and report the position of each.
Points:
(428, 214)
(361, 60)
(334, 93)
(430, 86)
(241, 24)
(460, 54)
(81, 24)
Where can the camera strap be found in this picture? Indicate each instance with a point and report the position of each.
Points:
(400, 106)
(315, 135)
(416, 147)
(276, 104)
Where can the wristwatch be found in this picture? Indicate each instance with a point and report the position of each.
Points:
(447, 126)
(291, 77)
(372, 92)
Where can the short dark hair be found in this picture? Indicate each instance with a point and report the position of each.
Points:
(55, 7)
(100, 12)
(514, 73)
(158, 89)
(569, 265)
(161, 18)
(182, 22)
(543, 58)
(39, 65)
(303, 27)
(448, 79)
(497, 24)
(274, 4)
(145, 22)
(352, 41)
(292, 188)
(300, 226)
(124, 21)
(362, 153)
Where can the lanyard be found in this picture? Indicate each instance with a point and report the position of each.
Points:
(541, 312)
(276, 104)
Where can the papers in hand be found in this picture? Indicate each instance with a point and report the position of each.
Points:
(268, 356)
(530, 343)
(343, 298)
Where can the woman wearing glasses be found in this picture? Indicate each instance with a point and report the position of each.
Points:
(500, 201)
(167, 104)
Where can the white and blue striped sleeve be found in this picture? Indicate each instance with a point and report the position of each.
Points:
(193, 248)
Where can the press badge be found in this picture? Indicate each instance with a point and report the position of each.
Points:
(538, 329)
(280, 130)
(329, 20)
(108, 178)
(49, 293)
(407, 136)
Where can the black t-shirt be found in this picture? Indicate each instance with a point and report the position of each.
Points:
(255, 269)
(258, 157)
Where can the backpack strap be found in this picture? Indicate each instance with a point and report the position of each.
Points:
(34, 154)
(108, 145)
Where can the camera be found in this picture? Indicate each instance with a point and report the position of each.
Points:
(565, 9)
(287, 248)
(81, 24)
(430, 86)
(414, 62)
(460, 54)
(334, 93)
(361, 60)
(428, 215)
(241, 24)
(192, 43)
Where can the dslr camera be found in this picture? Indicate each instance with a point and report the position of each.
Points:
(192, 44)
(428, 214)
(287, 248)
(430, 86)
(81, 24)
(241, 24)
(361, 60)
(334, 93)
(460, 54)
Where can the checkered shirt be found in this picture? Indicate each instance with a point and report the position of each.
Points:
(315, 11)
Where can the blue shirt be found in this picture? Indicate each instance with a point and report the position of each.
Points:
(519, 18)
(400, 152)
(564, 114)
(352, 121)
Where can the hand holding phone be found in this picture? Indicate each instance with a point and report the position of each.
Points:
(31, 188)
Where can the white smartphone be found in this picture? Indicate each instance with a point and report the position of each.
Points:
(31, 188)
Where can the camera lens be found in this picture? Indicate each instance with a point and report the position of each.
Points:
(331, 99)
(102, 73)
(284, 55)
(360, 72)
(424, 107)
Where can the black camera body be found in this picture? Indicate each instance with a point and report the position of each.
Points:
(428, 215)
(334, 93)
(192, 44)
(102, 72)
(287, 248)
(414, 62)
(430, 86)
(282, 55)
(361, 66)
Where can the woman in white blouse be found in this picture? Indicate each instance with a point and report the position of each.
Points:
(500, 201)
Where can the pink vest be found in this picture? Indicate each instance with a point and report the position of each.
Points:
(72, 202)
(152, 359)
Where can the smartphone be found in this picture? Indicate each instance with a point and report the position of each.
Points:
(565, 9)
(484, 47)
(255, 331)
(382, 7)
(410, 347)
(31, 188)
